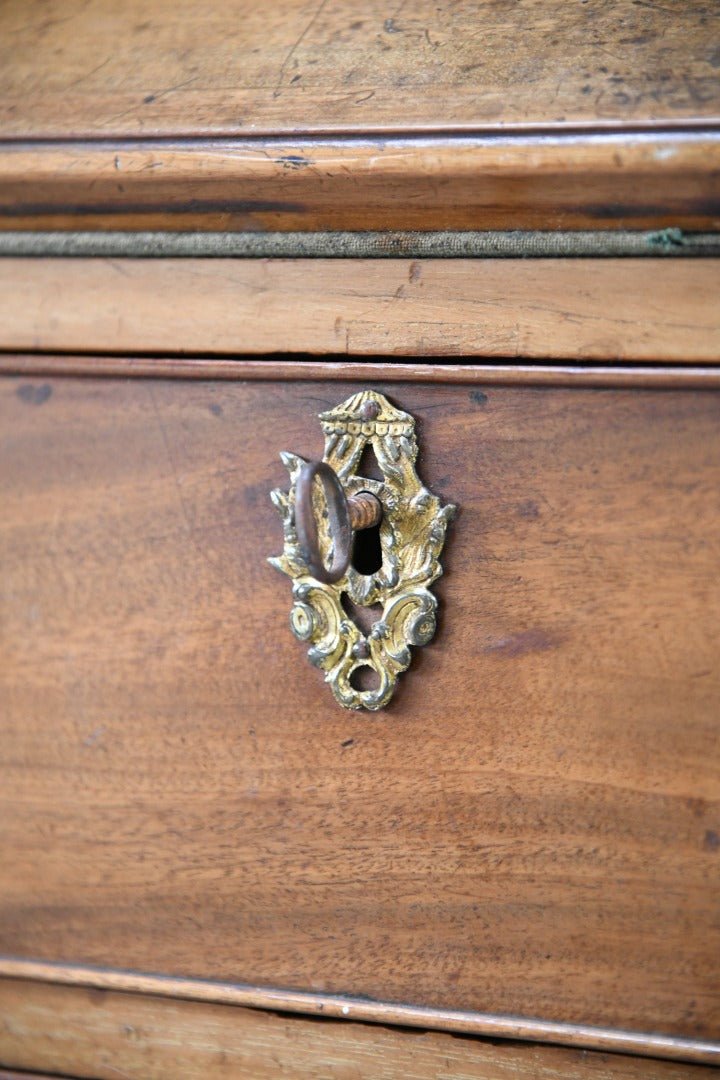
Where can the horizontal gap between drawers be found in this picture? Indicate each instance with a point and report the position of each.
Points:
(439, 244)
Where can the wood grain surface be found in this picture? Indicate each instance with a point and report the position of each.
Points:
(5, 1075)
(169, 67)
(574, 309)
(530, 829)
(445, 182)
(103, 1035)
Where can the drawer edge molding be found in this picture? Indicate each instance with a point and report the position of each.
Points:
(619, 376)
(103, 1034)
(338, 1006)
(607, 177)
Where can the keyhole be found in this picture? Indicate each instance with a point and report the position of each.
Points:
(367, 549)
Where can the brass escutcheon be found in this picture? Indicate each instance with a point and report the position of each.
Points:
(328, 500)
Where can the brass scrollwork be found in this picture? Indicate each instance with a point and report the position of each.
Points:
(412, 534)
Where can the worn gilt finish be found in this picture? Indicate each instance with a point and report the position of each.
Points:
(412, 534)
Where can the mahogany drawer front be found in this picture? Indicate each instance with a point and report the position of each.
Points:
(532, 827)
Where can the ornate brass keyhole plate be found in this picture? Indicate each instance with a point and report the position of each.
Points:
(412, 533)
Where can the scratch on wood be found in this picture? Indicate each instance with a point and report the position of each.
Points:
(296, 46)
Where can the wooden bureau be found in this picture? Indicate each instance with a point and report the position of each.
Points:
(216, 224)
